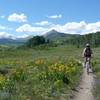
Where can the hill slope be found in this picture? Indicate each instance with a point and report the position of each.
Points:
(53, 34)
(9, 41)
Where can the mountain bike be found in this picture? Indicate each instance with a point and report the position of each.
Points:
(88, 65)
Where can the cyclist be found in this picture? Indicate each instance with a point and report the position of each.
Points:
(87, 52)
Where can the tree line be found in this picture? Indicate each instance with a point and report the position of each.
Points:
(80, 40)
(92, 38)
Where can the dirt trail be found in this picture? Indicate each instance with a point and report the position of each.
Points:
(84, 91)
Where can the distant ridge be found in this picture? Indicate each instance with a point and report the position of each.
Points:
(9, 41)
(53, 34)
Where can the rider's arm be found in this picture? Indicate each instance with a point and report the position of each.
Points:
(83, 52)
(91, 53)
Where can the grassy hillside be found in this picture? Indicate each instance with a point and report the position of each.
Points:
(43, 74)
(96, 69)
(40, 74)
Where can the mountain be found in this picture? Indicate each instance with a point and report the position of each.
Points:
(52, 35)
(9, 41)
(55, 35)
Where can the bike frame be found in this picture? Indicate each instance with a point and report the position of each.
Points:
(88, 64)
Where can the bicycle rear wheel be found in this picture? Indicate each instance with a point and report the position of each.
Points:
(87, 67)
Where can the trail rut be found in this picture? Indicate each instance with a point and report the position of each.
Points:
(84, 91)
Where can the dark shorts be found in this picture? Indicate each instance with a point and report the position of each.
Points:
(87, 56)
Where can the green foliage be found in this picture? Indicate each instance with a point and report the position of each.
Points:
(81, 40)
(96, 70)
(77, 40)
(57, 38)
(40, 74)
(36, 40)
(41, 78)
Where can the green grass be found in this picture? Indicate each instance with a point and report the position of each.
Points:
(96, 69)
(42, 74)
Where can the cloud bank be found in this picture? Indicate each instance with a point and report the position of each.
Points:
(42, 27)
(6, 35)
(55, 16)
(26, 28)
(70, 27)
(43, 23)
(17, 17)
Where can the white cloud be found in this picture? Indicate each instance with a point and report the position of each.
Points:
(77, 28)
(5, 28)
(55, 16)
(17, 17)
(93, 27)
(6, 35)
(2, 27)
(2, 16)
(30, 29)
(22, 36)
(11, 36)
(70, 27)
(43, 23)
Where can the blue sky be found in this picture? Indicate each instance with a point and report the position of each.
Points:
(21, 18)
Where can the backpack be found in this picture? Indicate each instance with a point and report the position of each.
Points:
(88, 52)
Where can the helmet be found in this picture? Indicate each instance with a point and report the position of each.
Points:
(87, 45)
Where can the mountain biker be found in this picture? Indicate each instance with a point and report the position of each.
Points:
(87, 52)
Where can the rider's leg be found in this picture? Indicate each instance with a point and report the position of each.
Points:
(85, 60)
(90, 61)
(88, 64)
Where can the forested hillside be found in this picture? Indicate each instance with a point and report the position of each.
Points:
(55, 37)
(92, 38)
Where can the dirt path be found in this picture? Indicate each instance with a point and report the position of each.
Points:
(84, 92)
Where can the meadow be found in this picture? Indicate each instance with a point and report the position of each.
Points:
(96, 69)
(42, 74)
